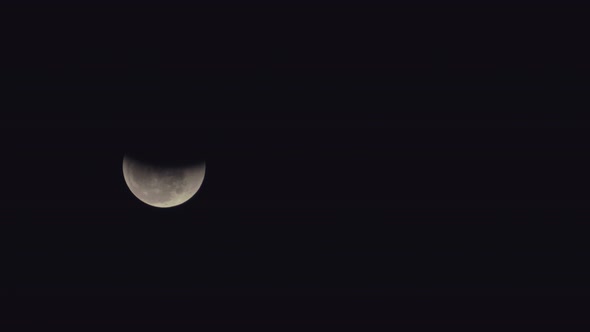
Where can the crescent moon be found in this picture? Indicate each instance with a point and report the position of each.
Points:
(162, 186)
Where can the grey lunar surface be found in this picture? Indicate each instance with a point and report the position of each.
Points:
(160, 186)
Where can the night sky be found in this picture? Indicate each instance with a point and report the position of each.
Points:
(392, 164)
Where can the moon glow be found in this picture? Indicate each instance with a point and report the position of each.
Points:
(162, 186)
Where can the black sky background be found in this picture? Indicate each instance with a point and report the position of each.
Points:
(380, 163)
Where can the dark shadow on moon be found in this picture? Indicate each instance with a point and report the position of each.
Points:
(162, 158)
(166, 147)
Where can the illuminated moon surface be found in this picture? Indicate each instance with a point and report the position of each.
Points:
(160, 186)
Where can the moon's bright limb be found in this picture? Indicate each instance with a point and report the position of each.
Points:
(162, 186)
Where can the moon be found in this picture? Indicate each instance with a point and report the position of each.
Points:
(162, 186)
